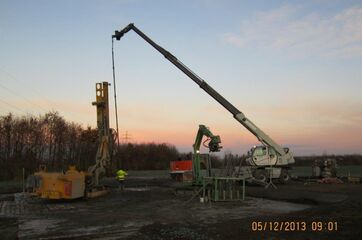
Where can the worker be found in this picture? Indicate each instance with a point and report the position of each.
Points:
(121, 176)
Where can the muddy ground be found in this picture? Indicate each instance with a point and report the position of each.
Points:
(149, 209)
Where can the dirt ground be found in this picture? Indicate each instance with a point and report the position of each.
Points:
(149, 209)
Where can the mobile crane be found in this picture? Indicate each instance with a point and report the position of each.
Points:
(213, 146)
(268, 156)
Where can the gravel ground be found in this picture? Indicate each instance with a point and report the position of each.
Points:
(149, 209)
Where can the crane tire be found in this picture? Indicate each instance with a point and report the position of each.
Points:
(261, 175)
(284, 176)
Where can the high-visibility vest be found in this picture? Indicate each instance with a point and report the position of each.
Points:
(121, 175)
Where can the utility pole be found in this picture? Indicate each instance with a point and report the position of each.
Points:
(126, 137)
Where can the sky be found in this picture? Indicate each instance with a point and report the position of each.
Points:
(292, 67)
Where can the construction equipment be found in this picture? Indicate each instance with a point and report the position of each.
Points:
(76, 184)
(104, 132)
(270, 156)
(213, 146)
(190, 170)
(223, 189)
(59, 185)
(325, 168)
(181, 170)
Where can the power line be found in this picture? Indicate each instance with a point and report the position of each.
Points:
(18, 80)
(24, 98)
(37, 93)
(13, 106)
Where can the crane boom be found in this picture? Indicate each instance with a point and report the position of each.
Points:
(237, 114)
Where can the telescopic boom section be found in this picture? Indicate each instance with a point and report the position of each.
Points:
(238, 115)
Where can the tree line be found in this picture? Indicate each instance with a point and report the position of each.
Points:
(350, 159)
(28, 141)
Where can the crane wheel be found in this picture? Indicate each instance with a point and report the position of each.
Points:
(261, 175)
(284, 176)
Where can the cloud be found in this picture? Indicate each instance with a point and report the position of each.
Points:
(292, 30)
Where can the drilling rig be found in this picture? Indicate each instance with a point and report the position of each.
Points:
(74, 184)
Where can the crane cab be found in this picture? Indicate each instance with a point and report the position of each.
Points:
(262, 156)
(266, 163)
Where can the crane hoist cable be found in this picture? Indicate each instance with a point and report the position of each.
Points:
(115, 92)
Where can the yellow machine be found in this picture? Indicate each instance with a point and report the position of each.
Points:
(56, 185)
(73, 183)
